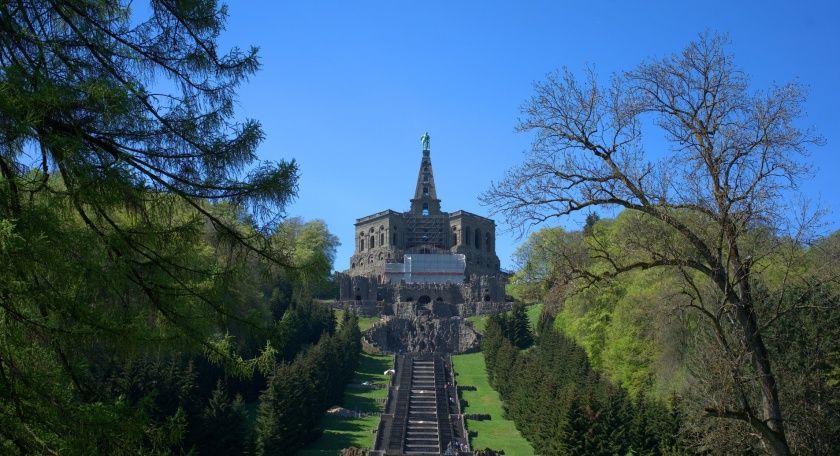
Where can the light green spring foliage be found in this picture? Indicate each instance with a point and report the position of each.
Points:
(536, 266)
(626, 324)
(311, 248)
(135, 217)
(634, 327)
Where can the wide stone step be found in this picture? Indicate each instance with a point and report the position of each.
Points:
(422, 450)
(420, 432)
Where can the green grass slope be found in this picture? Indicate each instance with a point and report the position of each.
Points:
(496, 433)
(354, 432)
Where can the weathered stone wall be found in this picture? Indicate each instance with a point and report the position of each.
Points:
(384, 237)
(369, 297)
(469, 309)
(475, 237)
(379, 238)
(422, 334)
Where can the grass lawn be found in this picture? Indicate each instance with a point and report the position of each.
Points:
(496, 433)
(533, 310)
(364, 322)
(354, 432)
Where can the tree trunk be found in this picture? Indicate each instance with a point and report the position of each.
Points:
(774, 432)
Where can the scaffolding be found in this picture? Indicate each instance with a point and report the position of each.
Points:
(427, 268)
(426, 233)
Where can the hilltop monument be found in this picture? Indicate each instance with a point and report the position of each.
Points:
(423, 269)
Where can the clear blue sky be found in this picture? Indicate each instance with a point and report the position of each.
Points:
(347, 88)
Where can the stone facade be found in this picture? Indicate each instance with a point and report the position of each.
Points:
(388, 235)
(449, 271)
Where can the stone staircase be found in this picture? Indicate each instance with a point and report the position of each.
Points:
(421, 415)
(422, 433)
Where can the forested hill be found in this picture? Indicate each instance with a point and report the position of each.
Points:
(646, 330)
(152, 287)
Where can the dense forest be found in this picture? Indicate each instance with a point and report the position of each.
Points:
(639, 334)
(715, 281)
(153, 291)
(156, 297)
(563, 406)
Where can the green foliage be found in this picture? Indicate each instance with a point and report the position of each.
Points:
(497, 433)
(223, 428)
(342, 432)
(143, 253)
(638, 332)
(299, 392)
(563, 407)
(135, 223)
(537, 268)
(514, 325)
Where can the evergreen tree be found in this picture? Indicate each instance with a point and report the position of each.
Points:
(282, 414)
(224, 425)
(519, 331)
(130, 199)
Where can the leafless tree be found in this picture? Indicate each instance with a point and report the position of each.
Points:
(735, 157)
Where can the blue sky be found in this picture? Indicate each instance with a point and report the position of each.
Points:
(347, 88)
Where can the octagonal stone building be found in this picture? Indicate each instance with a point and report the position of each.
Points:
(424, 254)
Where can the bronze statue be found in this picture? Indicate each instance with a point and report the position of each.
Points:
(424, 140)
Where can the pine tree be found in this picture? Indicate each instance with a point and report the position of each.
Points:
(283, 413)
(519, 331)
(224, 425)
(130, 196)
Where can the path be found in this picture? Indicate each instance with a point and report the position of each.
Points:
(422, 414)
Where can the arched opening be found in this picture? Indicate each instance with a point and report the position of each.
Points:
(477, 238)
(370, 259)
(379, 297)
(424, 300)
(361, 244)
(467, 235)
(487, 242)
(381, 239)
(486, 298)
(425, 191)
(394, 240)
(358, 297)
(372, 242)
(425, 209)
(454, 238)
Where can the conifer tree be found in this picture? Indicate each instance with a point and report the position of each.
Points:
(223, 425)
(519, 327)
(130, 196)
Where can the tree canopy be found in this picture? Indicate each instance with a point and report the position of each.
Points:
(698, 208)
(135, 219)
